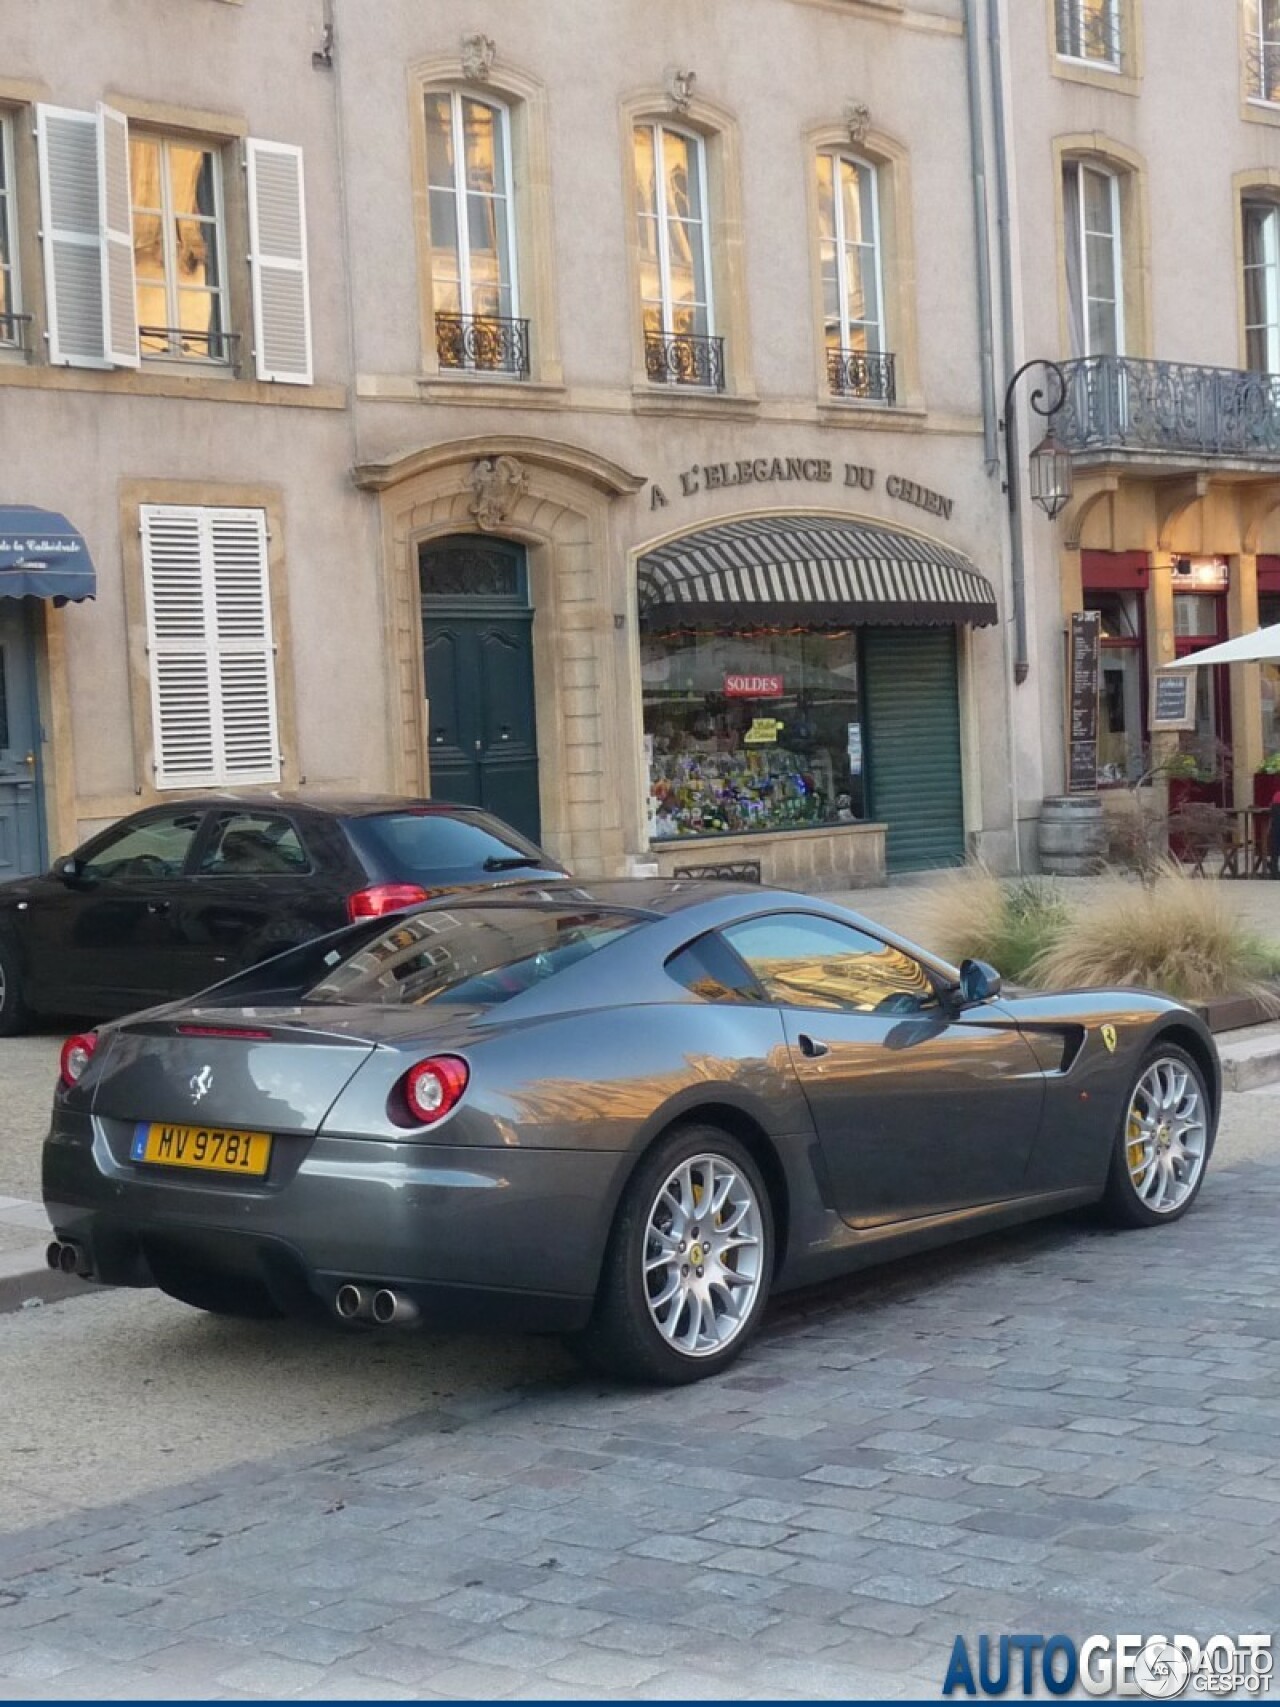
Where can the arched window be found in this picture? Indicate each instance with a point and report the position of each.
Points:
(853, 313)
(681, 346)
(1095, 259)
(475, 289)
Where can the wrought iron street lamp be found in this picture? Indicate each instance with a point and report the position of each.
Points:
(1050, 462)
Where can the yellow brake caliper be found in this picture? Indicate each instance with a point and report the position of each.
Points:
(1135, 1143)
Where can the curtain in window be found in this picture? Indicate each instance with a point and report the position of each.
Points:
(1075, 260)
(1262, 286)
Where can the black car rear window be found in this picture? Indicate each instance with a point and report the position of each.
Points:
(434, 848)
(473, 955)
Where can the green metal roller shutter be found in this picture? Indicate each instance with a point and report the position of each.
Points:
(912, 702)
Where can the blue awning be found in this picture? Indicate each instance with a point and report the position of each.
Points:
(43, 557)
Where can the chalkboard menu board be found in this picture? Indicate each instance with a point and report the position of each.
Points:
(1084, 660)
(1173, 702)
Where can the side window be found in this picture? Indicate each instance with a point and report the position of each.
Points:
(156, 848)
(819, 963)
(254, 844)
(710, 969)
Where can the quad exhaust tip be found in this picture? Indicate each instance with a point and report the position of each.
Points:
(65, 1258)
(391, 1308)
(380, 1305)
(353, 1303)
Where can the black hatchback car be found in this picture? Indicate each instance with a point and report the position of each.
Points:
(178, 897)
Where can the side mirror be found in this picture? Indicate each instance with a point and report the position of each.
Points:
(69, 870)
(978, 983)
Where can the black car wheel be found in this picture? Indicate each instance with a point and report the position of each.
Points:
(14, 1012)
(687, 1273)
(218, 1294)
(1163, 1145)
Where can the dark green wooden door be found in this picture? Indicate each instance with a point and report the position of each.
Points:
(477, 637)
(911, 687)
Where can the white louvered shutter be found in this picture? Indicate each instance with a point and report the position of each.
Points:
(67, 146)
(278, 262)
(246, 679)
(115, 218)
(211, 653)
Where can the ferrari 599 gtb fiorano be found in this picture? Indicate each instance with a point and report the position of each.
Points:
(627, 1112)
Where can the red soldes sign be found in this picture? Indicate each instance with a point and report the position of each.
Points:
(753, 687)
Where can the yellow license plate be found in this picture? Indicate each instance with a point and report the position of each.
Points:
(212, 1148)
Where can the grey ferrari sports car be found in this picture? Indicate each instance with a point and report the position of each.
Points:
(626, 1111)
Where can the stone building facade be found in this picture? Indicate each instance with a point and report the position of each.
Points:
(587, 411)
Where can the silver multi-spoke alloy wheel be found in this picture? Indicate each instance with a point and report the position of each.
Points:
(1166, 1135)
(703, 1255)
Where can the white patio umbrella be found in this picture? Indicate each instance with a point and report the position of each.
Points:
(1258, 647)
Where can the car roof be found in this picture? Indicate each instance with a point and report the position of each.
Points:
(337, 805)
(659, 897)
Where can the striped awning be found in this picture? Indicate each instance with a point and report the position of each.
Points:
(815, 570)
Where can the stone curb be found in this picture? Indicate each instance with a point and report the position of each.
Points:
(1252, 1069)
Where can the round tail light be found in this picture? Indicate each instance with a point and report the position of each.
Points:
(77, 1052)
(434, 1087)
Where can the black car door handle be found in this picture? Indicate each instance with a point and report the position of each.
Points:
(811, 1046)
(158, 906)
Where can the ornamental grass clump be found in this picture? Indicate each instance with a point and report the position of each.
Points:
(1176, 935)
(971, 914)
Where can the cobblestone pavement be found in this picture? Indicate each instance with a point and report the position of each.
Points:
(1059, 1429)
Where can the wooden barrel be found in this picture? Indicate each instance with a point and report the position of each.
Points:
(1073, 837)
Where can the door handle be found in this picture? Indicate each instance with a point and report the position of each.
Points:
(158, 906)
(813, 1047)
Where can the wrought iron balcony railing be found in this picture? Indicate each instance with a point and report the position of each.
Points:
(684, 358)
(483, 343)
(863, 374)
(15, 331)
(1120, 403)
(185, 343)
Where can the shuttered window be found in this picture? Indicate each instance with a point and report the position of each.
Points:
(94, 231)
(212, 660)
(278, 263)
(11, 325)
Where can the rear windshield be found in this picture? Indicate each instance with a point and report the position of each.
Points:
(482, 955)
(435, 848)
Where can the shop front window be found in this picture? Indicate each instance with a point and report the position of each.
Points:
(1120, 723)
(751, 731)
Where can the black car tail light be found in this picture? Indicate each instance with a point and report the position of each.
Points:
(383, 898)
(77, 1052)
(434, 1087)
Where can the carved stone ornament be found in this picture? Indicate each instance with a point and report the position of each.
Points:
(857, 119)
(496, 482)
(680, 85)
(477, 57)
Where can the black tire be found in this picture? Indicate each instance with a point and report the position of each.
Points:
(15, 1015)
(623, 1337)
(1122, 1201)
(217, 1294)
